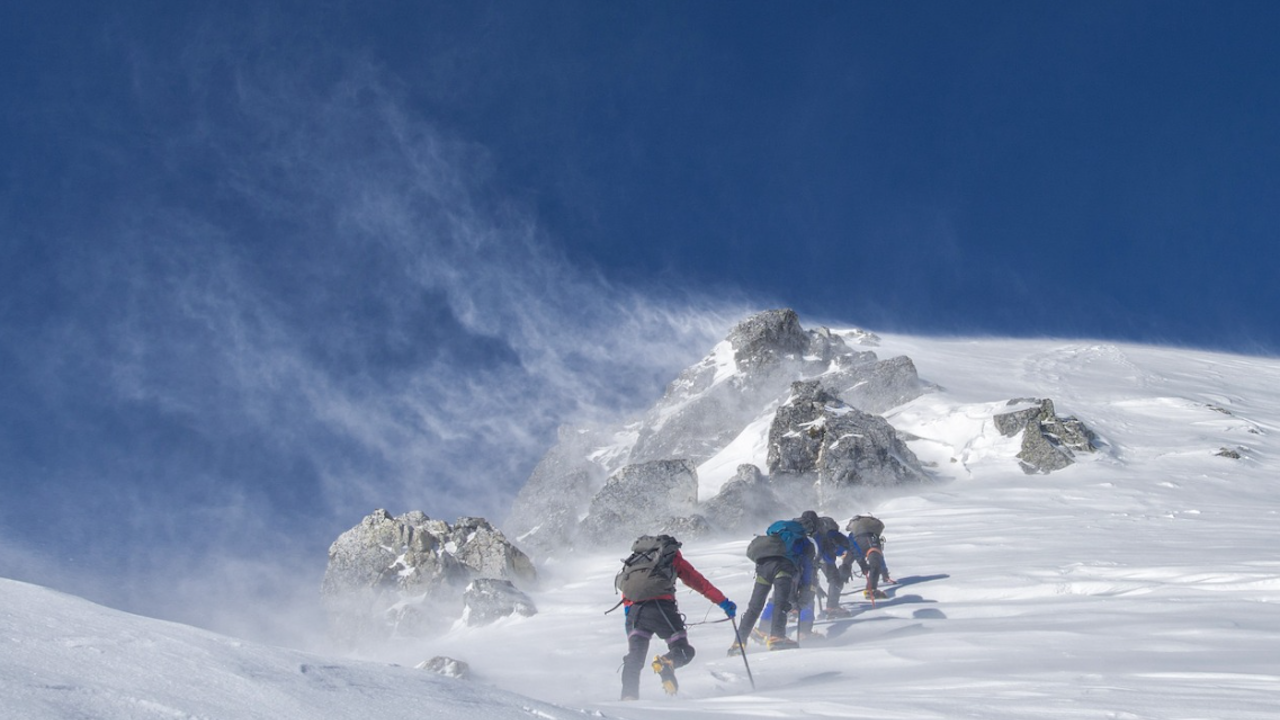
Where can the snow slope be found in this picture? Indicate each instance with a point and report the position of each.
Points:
(1142, 582)
(64, 657)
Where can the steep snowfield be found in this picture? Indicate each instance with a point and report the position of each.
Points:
(1142, 582)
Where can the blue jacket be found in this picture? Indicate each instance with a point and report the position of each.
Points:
(831, 545)
(802, 555)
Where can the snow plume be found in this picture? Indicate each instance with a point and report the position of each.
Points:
(343, 312)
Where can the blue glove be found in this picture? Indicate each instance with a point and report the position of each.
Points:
(728, 607)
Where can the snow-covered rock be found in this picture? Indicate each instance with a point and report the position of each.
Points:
(749, 500)
(815, 434)
(1049, 441)
(445, 666)
(486, 600)
(487, 553)
(404, 575)
(704, 411)
(875, 386)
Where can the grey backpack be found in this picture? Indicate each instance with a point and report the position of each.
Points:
(865, 525)
(766, 546)
(649, 571)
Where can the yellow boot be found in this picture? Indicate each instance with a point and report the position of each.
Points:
(667, 672)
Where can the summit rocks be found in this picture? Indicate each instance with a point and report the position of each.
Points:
(586, 488)
(817, 434)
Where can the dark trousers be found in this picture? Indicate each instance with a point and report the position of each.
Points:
(644, 620)
(774, 574)
(872, 560)
(835, 583)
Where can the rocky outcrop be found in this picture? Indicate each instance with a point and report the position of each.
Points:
(486, 553)
(446, 666)
(703, 410)
(639, 498)
(1049, 441)
(710, 402)
(486, 600)
(404, 575)
(383, 550)
(766, 339)
(742, 501)
(816, 434)
(688, 527)
(875, 386)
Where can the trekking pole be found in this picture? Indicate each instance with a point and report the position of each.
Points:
(744, 652)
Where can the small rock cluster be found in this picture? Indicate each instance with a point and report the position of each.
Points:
(408, 575)
(1049, 442)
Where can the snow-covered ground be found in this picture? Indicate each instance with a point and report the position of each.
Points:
(1142, 582)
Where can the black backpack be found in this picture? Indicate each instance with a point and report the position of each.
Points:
(831, 542)
(649, 571)
(826, 525)
(766, 546)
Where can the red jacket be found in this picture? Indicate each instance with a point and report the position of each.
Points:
(691, 577)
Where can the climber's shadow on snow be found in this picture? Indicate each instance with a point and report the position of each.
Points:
(929, 614)
(838, 632)
(839, 628)
(913, 580)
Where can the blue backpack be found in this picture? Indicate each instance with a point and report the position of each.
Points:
(784, 538)
(789, 530)
(792, 534)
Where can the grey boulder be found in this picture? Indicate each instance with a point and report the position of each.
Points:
(404, 575)
(1049, 441)
(487, 600)
(816, 434)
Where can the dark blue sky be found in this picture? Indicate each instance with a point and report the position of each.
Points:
(267, 267)
(1102, 169)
